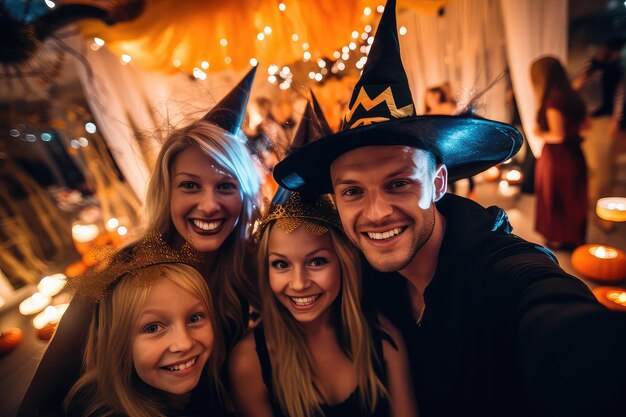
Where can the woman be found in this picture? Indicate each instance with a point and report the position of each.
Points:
(560, 171)
(211, 203)
(315, 353)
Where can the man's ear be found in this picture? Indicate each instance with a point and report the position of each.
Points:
(440, 182)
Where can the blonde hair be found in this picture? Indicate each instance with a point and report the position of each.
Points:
(108, 362)
(294, 379)
(228, 280)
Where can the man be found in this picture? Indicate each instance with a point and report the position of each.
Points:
(493, 326)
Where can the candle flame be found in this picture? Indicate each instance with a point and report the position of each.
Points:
(618, 297)
(603, 252)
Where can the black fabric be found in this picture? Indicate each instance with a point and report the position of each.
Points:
(505, 332)
(351, 406)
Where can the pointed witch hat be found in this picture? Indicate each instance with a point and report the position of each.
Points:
(289, 209)
(381, 112)
(229, 112)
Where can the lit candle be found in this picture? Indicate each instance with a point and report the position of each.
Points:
(612, 297)
(603, 252)
(51, 314)
(612, 209)
(83, 235)
(52, 285)
(34, 304)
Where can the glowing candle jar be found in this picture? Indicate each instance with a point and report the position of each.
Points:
(612, 297)
(612, 209)
(601, 263)
(34, 304)
(51, 285)
(83, 235)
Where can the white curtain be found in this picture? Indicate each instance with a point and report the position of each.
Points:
(533, 28)
(135, 109)
(464, 46)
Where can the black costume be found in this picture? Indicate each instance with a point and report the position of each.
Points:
(505, 331)
(350, 407)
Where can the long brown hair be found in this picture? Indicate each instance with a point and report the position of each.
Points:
(549, 78)
(229, 278)
(108, 362)
(293, 372)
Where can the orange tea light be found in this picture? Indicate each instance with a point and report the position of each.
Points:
(612, 297)
(601, 263)
(612, 209)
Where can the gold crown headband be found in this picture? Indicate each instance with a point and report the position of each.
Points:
(149, 251)
(315, 214)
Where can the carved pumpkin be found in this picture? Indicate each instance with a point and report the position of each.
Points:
(9, 339)
(601, 263)
(612, 297)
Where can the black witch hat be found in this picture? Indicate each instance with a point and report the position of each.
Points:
(381, 112)
(289, 208)
(229, 112)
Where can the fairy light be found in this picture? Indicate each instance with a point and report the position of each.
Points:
(368, 28)
(295, 37)
(318, 77)
(90, 127)
(307, 55)
(364, 35)
(305, 46)
(282, 7)
(176, 63)
(125, 58)
(260, 36)
(370, 40)
(204, 65)
(273, 69)
(402, 30)
(367, 11)
(321, 63)
(30, 137)
(98, 41)
(312, 75)
(122, 230)
(380, 8)
(352, 46)
(324, 71)
(267, 30)
(14, 133)
(199, 74)
(336, 54)
(228, 60)
(224, 42)
(341, 66)
(286, 70)
(254, 62)
(271, 79)
(82, 141)
(50, 4)
(355, 34)
(345, 57)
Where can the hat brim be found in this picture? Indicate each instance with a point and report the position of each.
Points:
(466, 145)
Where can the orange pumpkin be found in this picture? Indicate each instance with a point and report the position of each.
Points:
(75, 269)
(47, 331)
(9, 339)
(612, 297)
(600, 263)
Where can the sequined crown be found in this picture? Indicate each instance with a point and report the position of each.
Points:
(289, 210)
(150, 250)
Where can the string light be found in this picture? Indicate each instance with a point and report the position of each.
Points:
(312, 75)
(318, 77)
(345, 57)
(352, 46)
(380, 8)
(307, 55)
(98, 41)
(125, 58)
(228, 60)
(402, 30)
(368, 28)
(271, 79)
(305, 46)
(267, 30)
(282, 7)
(341, 66)
(336, 54)
(204, 65)
(46, 137)
(355, 34)
(367, 11)
(82, 141)
(254, 62)
(260, 36)
(223, 42)
(176, 63)
(50, 4)
(273, 69)
(321, 63)
(30, 137)
(295, 37)
(14, 133)
(90, 127)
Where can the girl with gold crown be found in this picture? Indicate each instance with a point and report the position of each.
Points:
(315, 353)
(202, 192)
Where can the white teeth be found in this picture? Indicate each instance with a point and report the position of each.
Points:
(305, 301)
(182, 366)
(385, 235)
(207, 226)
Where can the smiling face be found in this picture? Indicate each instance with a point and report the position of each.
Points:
(205, 202)
(385, 196)
(173, 339)
(304, 273)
